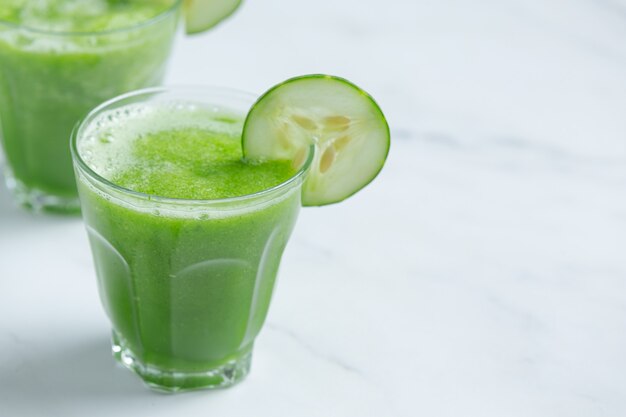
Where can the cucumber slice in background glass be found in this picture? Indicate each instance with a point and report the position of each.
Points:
(347, 127)
(202, 15)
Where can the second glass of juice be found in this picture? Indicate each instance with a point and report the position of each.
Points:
(186, 236)
(58, 60)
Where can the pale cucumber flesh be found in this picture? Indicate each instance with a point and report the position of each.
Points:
(348, 129)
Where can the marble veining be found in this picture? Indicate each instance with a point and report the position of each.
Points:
(312, 349)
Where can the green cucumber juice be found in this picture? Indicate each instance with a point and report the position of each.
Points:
(187, 289)
(59, 59)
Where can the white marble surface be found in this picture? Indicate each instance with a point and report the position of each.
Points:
(482, 274)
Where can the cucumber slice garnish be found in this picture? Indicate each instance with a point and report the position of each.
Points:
(202, 15)
(348, 129)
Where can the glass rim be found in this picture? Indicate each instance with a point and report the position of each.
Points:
(60, 33)
(90, 117)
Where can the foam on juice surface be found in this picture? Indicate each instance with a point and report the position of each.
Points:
(83, 23)
(176, 150)
(81, 15)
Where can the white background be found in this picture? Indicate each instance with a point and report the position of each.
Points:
(482, 274)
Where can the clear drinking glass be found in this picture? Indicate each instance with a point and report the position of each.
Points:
(50, 80)
(186, 283)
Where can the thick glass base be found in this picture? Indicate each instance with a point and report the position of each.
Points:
(38, 200)
(170, 381)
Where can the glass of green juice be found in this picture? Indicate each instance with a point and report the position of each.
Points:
(58, 60)
(186, 235)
